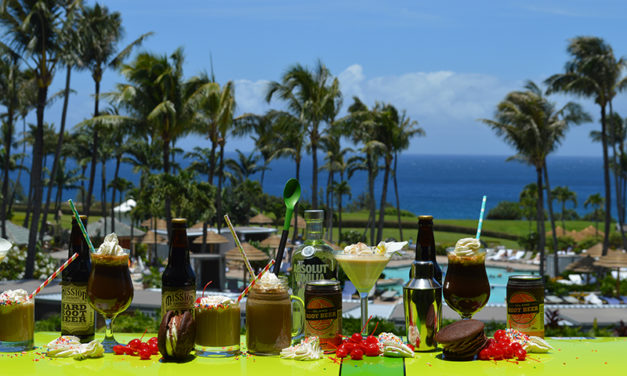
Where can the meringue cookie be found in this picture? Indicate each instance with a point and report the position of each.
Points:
(307, 349)
(70, 346)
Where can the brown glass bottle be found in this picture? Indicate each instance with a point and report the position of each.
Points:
(425, 246)
(77, 316)
(178, 282)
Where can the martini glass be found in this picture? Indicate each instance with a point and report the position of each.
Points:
(363, 271)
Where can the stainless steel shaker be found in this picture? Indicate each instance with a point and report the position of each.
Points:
(422, 298)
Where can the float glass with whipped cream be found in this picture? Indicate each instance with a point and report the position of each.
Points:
(109, 289)
(363, 266)
(466, 287)
(217, 326)
(269, 316)
(17, 321)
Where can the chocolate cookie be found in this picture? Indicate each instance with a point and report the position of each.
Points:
(177, 335)
(461, 340)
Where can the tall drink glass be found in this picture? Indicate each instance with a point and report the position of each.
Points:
(466, 286)
(109, 289)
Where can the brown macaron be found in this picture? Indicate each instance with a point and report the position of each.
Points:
(462, 340)
(177, 335)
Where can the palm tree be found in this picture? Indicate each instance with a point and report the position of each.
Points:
(595, 200)
(403, 134)
(264, 138)
(32, 31)
(534, 127)
(528, 198)
(314, 98)
(593, 72)
(68, 46)
(159, 102)
(244, 166)
(563, 195)
(341, 188)
(335, 162)
(100, 32)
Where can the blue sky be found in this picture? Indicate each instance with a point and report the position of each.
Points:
(447, 63)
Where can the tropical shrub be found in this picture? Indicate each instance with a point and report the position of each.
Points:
(505, 210)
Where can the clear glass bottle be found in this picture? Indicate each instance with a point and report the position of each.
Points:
(313, 260)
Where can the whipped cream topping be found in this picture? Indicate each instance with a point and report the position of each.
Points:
(382, 248)
(172, 336)
(307, 349)
(467, 247)
(268, 281)
(110, 246)
(392, 346)
(70, 346)
(531, 344)
(213, 301)
(17, 296)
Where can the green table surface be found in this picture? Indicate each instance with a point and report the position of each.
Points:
(608, 356)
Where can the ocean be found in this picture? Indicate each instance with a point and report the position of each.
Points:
(445, 186)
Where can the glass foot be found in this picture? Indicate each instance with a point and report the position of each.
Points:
(108, 344)
(19, 346)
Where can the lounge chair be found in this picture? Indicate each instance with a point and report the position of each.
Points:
(611, 300)
(552, 299)
(389, 295)
(570, 299)
(518, 256)
(527, 257)
(499, 255)
(576, 279)
(592, 298)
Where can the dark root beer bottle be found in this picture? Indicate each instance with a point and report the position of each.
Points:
(77, 316)
(178, 287)
(425, 247)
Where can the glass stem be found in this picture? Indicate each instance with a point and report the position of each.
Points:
(108, 330)
(364, 311)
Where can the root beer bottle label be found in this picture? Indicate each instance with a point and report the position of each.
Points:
(77, 316)
(178, 291)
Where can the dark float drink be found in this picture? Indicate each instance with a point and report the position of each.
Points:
(466, 286)
(77, 316)
(178, 287)
(109, 289)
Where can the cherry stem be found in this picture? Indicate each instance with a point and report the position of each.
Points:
(143, 334)
(375, 328)
(204, 288)
(366, 325)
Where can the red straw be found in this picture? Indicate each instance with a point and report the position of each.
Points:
(53, 276)
(255, 280)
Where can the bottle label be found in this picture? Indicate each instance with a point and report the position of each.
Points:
(525, 314)
(311, 272)
(179, 300)
(77, 316)
(323, 319)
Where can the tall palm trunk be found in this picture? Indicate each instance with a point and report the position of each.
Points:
(398, 204)
(617, 178)
(103, 191)
(384, 193)
(57, 150)
(94, 152)
(7, 152)
(118, 159)
(83, 191)
(540, 219)
(220, 178)
(19, 172)
(314, 180)
(166, 169)
(329, 196)
(295, 234)
(29, 200)
(57, 202)
(549, 200)
(371, 218)
(606, 180)
(35, 176)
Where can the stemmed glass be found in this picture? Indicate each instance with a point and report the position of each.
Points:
(363, 270)
(109, 291)
(466, 287)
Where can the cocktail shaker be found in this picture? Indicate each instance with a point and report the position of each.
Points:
(422, 298)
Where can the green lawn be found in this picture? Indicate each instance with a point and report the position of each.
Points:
(66, 219)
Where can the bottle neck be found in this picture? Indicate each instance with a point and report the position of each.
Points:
(179, 249)
(313, 230)
(426, 243)
(77, 243)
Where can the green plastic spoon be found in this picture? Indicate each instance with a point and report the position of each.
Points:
(291, 195)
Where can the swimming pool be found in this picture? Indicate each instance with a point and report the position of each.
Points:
(497, 276)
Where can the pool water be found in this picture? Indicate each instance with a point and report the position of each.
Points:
(497, 276)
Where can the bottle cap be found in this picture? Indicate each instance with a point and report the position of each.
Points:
(422, 218)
